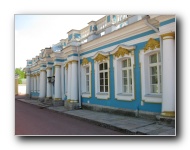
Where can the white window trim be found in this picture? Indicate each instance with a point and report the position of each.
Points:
(98, 94)
(83, 80)
(119, 95)
(147, 96)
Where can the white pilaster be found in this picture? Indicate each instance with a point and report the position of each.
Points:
(57, 82)
(74, 83)
(27, 84)
(49, 84)
(42, 83)
(69, 81)
(168, 103)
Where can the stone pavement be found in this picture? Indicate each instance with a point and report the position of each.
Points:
(125, 124)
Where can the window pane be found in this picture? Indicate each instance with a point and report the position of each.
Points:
(130, 81)
(101, 81)
(159, 57)
(101, 66)
(153, 70)
(87, 77)
(154, 89)
(125, 89)
(124, 63)
(106, 88)
(153, 58)
(160, 70)
(106, 81)
(101, 75)
(124, 73)
(130, 89)
(101, 88)
(129, 62)
(105, 66)
(87, 88)
(124, 81)
(154, 80)
(106, 74)
(87, 69)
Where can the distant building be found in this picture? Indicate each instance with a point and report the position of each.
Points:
(125, 62)
(16, 84)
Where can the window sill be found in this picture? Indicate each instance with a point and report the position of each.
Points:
(154, 95)
(123, 94)
(102, 95)
(86, 94)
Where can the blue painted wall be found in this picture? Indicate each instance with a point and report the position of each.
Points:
(112, 102)
(34, 94)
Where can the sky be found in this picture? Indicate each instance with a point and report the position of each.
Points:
(36, 32)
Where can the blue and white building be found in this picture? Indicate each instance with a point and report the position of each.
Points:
(124, 62)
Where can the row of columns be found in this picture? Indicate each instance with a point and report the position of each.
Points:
(45, 87)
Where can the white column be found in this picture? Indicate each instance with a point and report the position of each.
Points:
(42, 83)
(57, 82)
(62, 82)
(34, 80)
(27, 84)
(74, 83)
(31, 83)
(39, 82)
(69, 81)
(49, 84)
(168, 103)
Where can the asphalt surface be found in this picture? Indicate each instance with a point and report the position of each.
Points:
(163, 126)
(34, 120)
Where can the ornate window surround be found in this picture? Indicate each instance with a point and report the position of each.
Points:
(120, 53)
(84, 65)
(101, 57)
(152, 47)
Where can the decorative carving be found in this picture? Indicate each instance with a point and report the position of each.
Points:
(152, 44)
(85, 61)
(121, 52)
(66, 66)
(100, 58)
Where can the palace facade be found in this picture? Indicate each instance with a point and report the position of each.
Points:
(122, 62)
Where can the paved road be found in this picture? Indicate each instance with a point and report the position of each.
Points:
(31, 120)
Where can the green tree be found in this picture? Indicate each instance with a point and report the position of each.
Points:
(21, 73)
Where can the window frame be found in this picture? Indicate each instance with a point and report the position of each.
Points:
(86, 93)
(119, 94)
(98, 94)
(146, 95)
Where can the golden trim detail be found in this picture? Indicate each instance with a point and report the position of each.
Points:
(168, 113)
(57, 99)
(66, 66)
(152, 44)
(57, 65)
(85, 61)
(100, 58)
(48, 68)
(168, 34)
(121, 52)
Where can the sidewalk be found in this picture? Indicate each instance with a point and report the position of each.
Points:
(125, 124)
